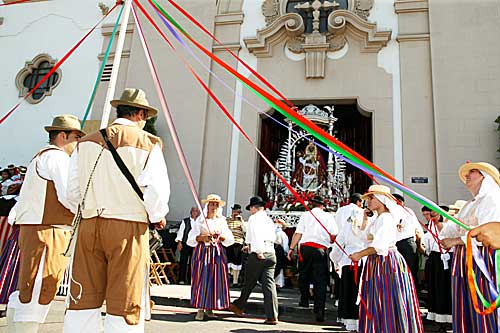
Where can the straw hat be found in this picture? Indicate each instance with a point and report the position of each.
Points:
(378, 189)
(482, 166)
(137, 98)
(65, 122)
(214, 198)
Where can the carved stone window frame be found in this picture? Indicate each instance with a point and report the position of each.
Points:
(28, 69)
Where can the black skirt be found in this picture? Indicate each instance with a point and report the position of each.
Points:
(348, 293)
(439, 281)
(234, 254)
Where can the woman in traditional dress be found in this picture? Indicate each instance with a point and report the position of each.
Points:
(388, 296)
(9, 262)
(438, 274)
(483, 182)
(209, 274)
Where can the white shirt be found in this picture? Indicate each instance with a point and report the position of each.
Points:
(382, 233)
(261, 233)
(180, 232)
(348, 215)
(351, 239)
(5, 185)
(153, 180)
(312, 231)
(281, 237)
(409, 225)
(216, 225)
(482, 209)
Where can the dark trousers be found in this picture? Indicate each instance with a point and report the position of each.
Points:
(184, 264)
(313, 268)
(408, 249)
(260, 270)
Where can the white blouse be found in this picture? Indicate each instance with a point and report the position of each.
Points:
(476, 212)
(382, 234)
(217, 225)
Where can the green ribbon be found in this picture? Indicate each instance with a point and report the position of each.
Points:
(101, 70)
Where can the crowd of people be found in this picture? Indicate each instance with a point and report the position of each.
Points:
(88, 201)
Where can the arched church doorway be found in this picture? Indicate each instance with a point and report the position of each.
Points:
(310, 169)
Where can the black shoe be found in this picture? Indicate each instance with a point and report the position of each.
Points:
(320, 316)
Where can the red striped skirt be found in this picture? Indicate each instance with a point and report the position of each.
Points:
(390, 297)
(209, 277)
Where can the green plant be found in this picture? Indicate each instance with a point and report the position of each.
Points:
(150, 126)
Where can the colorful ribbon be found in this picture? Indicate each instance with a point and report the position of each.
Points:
(101, 70)
(168, 116)
(310, 127)
(473, 252)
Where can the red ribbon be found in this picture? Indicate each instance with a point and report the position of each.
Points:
(13, 3)
(226, 112)
(253, 71)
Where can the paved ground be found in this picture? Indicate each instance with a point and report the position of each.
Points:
(173, 314)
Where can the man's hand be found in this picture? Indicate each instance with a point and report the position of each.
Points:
(179, 246)
(161, 225)
(260, 256)
(245, 249)
(290, 255)
(488, 234)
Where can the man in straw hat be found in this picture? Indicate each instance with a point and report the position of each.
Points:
(313, 241)
(482, 180)
(261, 262)
(42, 211)
(111, 256)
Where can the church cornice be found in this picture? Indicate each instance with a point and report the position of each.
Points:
(285, 27)
(342, 21)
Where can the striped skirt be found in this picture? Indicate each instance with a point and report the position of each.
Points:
(9, 266)
(209, 277)
(465, 318)
(389, 296)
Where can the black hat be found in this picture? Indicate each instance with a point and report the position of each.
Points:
(236, 207)
(319, 200)
(399, 197)
(355, 197)
(255, 201)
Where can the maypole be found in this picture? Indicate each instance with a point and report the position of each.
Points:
(116, 65)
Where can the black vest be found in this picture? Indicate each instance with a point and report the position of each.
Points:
(187, 229)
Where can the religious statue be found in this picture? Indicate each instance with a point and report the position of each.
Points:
(310, 172)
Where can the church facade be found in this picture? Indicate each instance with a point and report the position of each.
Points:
(411, 85)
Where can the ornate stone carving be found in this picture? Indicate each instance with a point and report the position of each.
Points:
(362, 8)
(271, 10)
(104, 9)
(341, 24)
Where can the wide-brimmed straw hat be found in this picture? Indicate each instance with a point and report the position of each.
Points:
(66, 122)
(378, 189)
(137, 98)
(214, 198)
(482, 166)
